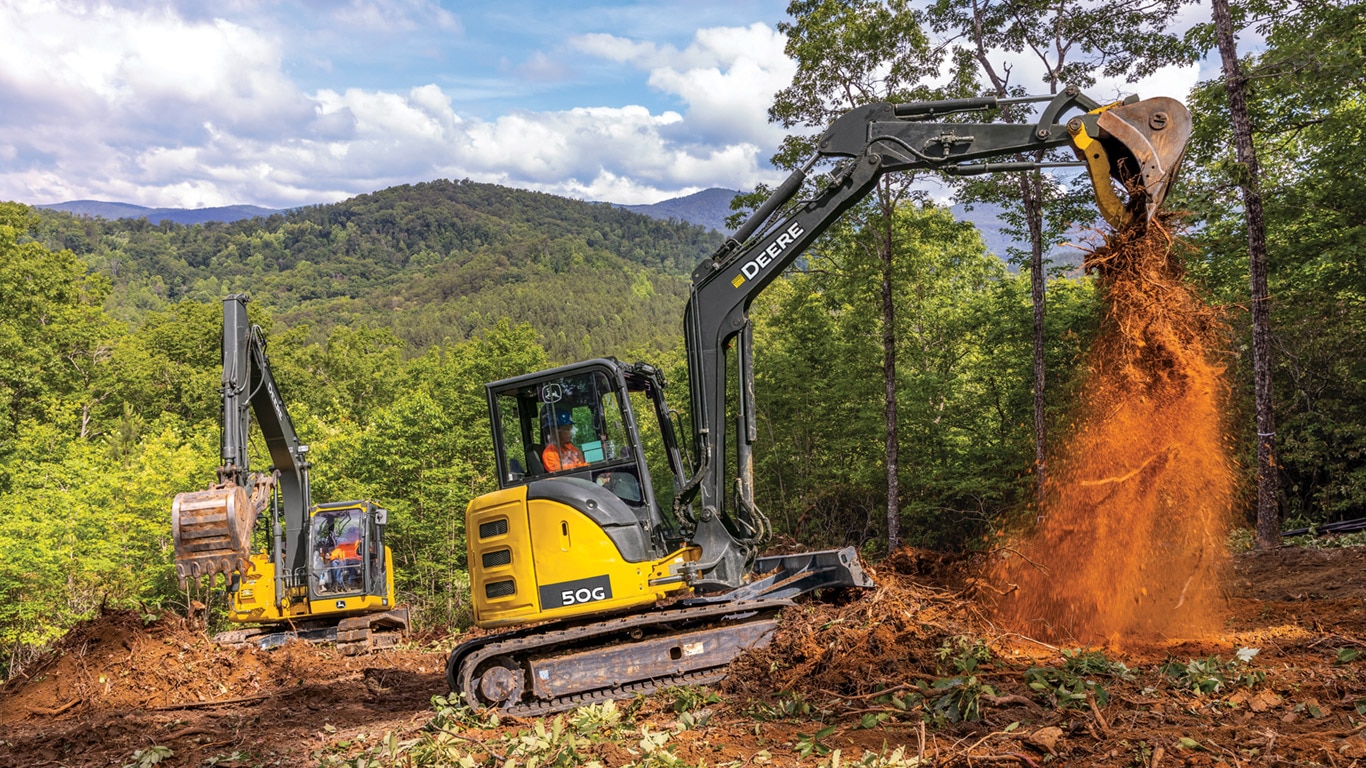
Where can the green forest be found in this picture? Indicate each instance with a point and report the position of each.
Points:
(387, 313)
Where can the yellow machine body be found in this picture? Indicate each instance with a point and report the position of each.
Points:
(539, 559)
(254, 600)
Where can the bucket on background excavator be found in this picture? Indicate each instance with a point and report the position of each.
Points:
(212, 528)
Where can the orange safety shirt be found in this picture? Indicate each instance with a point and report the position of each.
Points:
(345, 551)
(567, 456)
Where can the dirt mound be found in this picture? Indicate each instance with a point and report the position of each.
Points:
(115, 661)
(114, 685)
(892, 633)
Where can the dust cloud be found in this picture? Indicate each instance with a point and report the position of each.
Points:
(1131, 539)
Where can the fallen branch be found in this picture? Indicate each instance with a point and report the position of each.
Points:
(1012, 698)
(884, 691)
(204, 704)
(1095, 710)
(1012, 757)
(193, 730)
(57, 711)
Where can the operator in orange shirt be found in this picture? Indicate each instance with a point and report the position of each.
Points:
(561, 453)
(345, 560)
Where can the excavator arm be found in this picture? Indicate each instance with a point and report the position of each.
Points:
(212, 528)
(1134, 144)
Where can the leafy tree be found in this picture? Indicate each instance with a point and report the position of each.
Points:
(1268, 518)
(1305, 113)
(55, 341)
(849, 54)
(1064, 38)
(963, 333)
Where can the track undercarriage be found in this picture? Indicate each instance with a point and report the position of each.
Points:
(543, 669)
(353, 636)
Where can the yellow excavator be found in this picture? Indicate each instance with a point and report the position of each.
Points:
(609, 583)
(325, 574)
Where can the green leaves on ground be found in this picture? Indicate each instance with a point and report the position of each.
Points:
(1079, 677)
(1213, 674)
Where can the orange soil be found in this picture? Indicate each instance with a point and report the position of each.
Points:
(115, 686)
(1130, 542)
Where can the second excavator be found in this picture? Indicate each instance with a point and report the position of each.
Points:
(612, 583)
(323, 572)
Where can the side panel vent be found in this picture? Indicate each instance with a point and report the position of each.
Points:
(500, 588)
(497, 558)
(493, 528)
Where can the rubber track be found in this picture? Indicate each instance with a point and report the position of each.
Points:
(526, 641)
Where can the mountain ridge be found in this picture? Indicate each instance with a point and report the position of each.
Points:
(105, 209)
(708, 208)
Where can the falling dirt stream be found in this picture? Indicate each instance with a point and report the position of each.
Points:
(1131, 538)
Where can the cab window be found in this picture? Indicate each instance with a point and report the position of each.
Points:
(565, 424)
(338, 547)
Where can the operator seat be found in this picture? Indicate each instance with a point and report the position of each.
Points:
(533, 460)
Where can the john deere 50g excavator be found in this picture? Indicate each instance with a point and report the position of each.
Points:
(618, 591)
(326, 574)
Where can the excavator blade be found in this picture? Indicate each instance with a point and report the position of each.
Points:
(212, 532)
(1139, 145)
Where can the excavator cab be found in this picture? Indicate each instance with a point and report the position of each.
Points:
(346, 541)
(576, 527)
(576, 424)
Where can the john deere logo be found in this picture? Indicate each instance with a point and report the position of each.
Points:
(751, 269)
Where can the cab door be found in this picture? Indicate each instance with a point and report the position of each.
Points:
(376, 578)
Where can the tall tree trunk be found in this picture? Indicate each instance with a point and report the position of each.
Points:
(1268, 480)
(1031, 193)
(889, 385)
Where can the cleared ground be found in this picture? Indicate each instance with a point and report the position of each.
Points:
(116, 686)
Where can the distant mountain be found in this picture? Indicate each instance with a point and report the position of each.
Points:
(431, 262)
(708, 208)
(987, 218)
(111, 211)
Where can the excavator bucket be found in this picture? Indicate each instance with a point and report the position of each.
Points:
(1139, 145)
(212, 532)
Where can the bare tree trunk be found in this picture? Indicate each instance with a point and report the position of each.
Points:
(1268, 480)
(889, 385)
(1032, 195)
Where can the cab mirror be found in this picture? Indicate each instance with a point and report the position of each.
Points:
(381, 516)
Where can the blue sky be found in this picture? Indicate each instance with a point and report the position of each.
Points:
(192, 104)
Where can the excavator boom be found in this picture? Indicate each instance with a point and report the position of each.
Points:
(1130, 148)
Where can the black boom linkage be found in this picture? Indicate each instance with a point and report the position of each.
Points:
(867, 142)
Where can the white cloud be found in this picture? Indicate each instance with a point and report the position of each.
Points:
(726, 77)
(149, 106)
(123, 100)
(391, 16)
